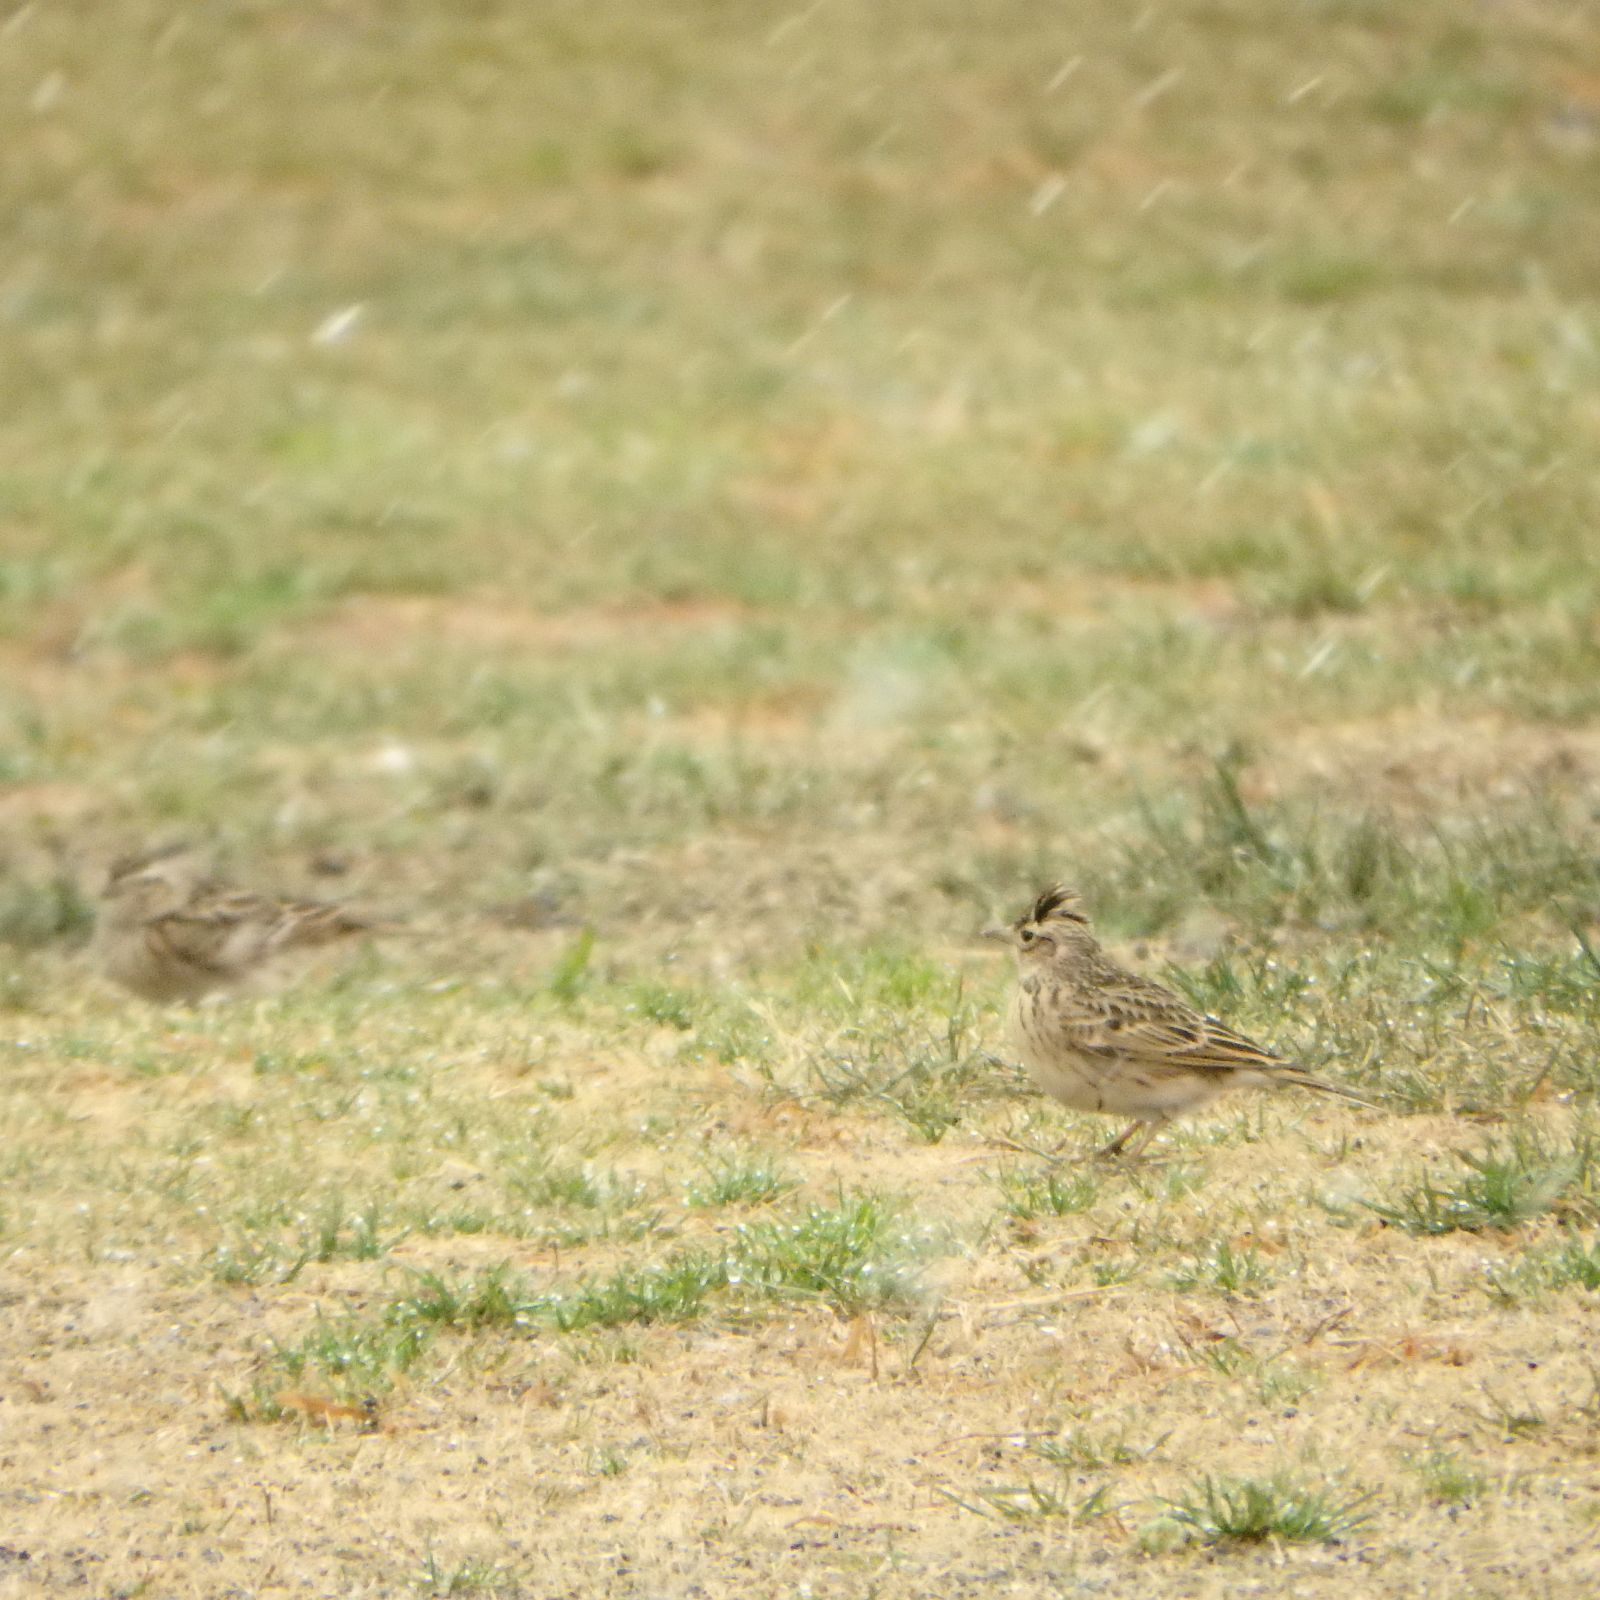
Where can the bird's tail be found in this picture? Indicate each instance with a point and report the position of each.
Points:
(313, 922)
(1309, 1080)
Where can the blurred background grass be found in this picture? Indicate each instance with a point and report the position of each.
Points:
(703, 444)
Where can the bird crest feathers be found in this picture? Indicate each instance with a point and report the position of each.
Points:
(1058, 903)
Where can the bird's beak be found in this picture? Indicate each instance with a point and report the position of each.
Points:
(996, 932)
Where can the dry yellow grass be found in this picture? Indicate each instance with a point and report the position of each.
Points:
(747, 1447)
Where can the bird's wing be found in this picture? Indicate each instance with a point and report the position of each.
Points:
(217, 906)
(316, 922)
(278, 922)
(1141, 1020)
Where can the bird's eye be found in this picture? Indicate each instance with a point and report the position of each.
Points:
(1028, 936)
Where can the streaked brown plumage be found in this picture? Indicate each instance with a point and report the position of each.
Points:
(170, 934)
(1097, 1037)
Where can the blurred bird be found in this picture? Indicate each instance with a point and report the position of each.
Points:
(1097, 1037)
(169, 933)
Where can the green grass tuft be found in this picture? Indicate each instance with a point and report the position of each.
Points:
(739, 1180)
(439, 1580)
(1035, 1500)
(1447, 1480)
(853, 1255)
(353, 1356)
(912, 1045)
(1504, 1187)
(1028, 1193)
(1219, 1510)
(571, 974)
(1219, 1266)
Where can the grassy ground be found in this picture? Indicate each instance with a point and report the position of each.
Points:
(698, 507)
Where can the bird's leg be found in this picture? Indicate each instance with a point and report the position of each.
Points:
(1147, 1130)
(1142, 1143)
(1115, 1147)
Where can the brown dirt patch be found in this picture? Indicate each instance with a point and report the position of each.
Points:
(1418, 761)
(391, 623)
